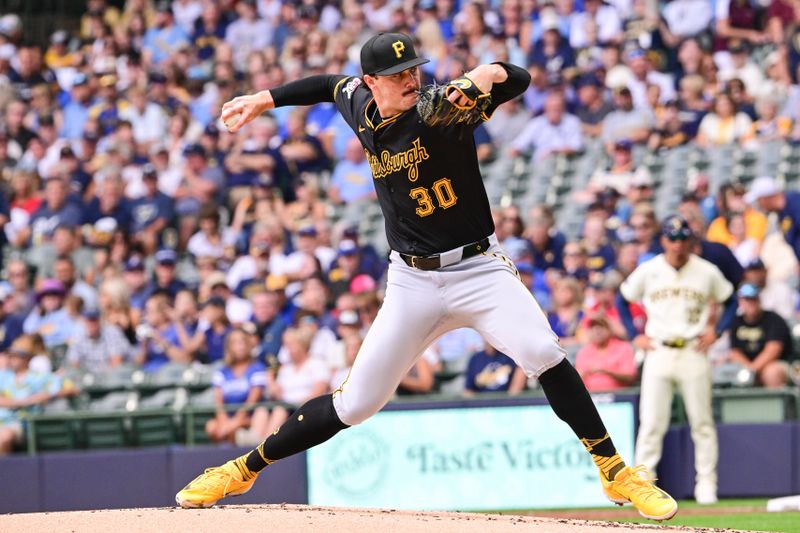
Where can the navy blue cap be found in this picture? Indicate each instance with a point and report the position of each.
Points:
(348, 247)
(211, 130)
(675, 228)
(157, 77)
(623, 144)
(307, 231)
(755, 264)
(588, 80)
(215, 301)
(166, 256)
(134, 263)
(149, 171)
(748, 290)
(91, 313)
(194, 149)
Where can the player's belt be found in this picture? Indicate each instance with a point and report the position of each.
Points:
(432, 262)
(677, 343)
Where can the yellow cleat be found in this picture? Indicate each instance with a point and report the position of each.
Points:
(633, 484)
(611, 494)
(216, 483)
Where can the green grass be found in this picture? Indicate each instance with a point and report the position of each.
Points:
(758, 520)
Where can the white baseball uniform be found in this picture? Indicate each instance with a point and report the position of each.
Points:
(678, 303)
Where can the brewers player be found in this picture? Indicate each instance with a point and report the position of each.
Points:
(678, 290)
(447, 270)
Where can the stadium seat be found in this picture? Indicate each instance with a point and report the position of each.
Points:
(153, 430)
(106, 432)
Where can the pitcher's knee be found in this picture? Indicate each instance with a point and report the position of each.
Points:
(353, 411)
(540, 355)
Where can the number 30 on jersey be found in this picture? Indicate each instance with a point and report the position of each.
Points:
(442, 190)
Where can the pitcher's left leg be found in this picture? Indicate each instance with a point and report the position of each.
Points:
(508, 316)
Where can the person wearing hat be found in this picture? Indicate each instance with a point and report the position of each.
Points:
(165, 38)
(76, 110)
(151, 212)
(136, 281)
(622, 172)
(761, 340)
(767, 195)
(605, 362)
(49, 318)
(23, 392)
(98, 346)
(678, 290)
(198, 187)
(446, 265)
(626, 122)
(165, 279)
(594, 106)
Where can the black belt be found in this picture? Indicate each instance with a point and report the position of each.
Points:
(677, 343)
(432, 262)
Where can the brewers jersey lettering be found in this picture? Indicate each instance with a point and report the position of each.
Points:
(676, 301)
(427, 179)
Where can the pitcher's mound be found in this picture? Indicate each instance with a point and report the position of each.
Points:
(303, 519)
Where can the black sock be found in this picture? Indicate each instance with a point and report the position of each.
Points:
(313, 423)
(571, 402)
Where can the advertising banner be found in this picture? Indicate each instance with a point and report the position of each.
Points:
(484, 458)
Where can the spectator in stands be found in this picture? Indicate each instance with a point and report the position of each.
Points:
(65, 272)
(158, 342)
(198, 187)
(301, 378)
(769, 127)
(725, 124)
(50, 318)
(491, 371)
(241, 380)
(351, 345)
(151, 213)
(593, 106)
(645, 231)
(774, 294)
(211, 240)
(685, 19)
(185, 324)
(420, 378)
(669, 130)
(76, 111)
(507, 123)
(600, 252)
(620, 175)
(555, 132)
(746, 249)
(163, 40)
(605, 363)
(605, 18)
(10, 321)
(56, 209)
(760, 340)
(269, 324)
(626, 122)
(731, 200)
(22, 392)
(165, 278)
(713, 252)
(216, 331)
(765, 193)
(352, 177)
(98, 346)
(567, 311)
(547, 242)
(644, 75)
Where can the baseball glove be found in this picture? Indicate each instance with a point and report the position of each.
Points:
(435, 109)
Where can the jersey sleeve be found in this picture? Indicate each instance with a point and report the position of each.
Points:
(307, 91)
(632, 288)
(351, 96)
(516, 84)
(218, 379)
(721, 288)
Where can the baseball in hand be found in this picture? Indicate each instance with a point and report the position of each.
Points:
(232, 120)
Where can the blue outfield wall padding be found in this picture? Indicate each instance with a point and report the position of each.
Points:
(104, 479)
(282, 482)
(20, 484)
(754, 459)
(670, 470)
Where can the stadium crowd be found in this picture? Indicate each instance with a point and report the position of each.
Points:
(137, 231)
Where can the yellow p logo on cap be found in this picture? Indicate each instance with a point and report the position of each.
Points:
(398, 48)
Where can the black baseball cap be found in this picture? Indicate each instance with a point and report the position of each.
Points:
(389, 53)
(675, 228)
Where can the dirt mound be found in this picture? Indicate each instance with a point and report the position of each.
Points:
(305, 519)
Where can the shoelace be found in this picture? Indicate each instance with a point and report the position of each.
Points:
(210, 479)
(641, 485)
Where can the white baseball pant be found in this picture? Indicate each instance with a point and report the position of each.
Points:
(690, 370)
(482, 292)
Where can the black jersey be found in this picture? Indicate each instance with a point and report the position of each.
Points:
(427, 178)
